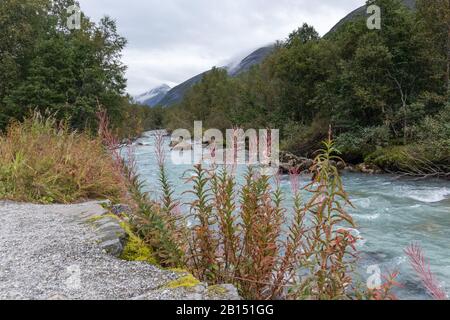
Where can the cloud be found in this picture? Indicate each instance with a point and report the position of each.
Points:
(173, 40)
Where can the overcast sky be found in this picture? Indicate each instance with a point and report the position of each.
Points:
(170, 41)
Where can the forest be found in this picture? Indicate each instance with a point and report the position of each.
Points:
(385, 93)
(46, 67)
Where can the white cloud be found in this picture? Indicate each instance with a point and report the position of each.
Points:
(173, 40)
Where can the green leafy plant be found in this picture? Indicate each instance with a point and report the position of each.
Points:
(155, 223)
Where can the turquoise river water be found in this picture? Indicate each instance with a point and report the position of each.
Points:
(390, 214)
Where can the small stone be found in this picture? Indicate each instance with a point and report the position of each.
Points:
(113, 247)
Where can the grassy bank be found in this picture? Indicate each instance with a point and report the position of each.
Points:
(238, 234)
(42, 160)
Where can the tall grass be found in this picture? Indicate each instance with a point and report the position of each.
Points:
(240, 235)
(44, 161)
(157, 223)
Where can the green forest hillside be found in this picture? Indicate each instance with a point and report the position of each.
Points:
(384, 92)
(47, 67)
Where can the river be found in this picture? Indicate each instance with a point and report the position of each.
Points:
(390, 213)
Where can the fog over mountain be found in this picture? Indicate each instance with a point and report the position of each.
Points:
(171, 41)
(239, 66)
(154, 96)
(176, 94)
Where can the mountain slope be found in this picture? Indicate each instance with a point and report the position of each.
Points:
(154, 96)
(362, 11)
(254, 58)
(176, 94)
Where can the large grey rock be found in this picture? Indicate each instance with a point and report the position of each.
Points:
(289, 161)
(222, 292)
(60, 258)
(110, 235)
(369, 168)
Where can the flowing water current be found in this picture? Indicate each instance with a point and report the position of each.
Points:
(390, 213)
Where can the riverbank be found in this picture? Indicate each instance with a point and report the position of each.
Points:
(56, 252)
(290, 162)
(390, 213)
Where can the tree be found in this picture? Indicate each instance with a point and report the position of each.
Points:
(47, 66)
(434, 17)
(304, 34)
(20, 26)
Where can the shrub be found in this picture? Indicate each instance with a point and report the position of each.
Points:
(244, 239)
(434, 137)
(241, 234)
(428, 155)
(355, 146)
(391, 158)
(42, 160)
(304, 140)
(158, 224)
(420, 159)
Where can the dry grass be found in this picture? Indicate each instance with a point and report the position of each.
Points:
(43, 161)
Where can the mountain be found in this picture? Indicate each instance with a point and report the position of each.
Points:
(154, 96)
(254, 58)
(362, 11)
(176, 94)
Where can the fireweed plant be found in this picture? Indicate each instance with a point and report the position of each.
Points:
(243, 235)
(239, 233)
(423, 270)
(157, 223)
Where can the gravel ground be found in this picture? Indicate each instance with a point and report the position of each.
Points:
(49, 252)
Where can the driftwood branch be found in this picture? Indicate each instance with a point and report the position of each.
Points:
(421, 168)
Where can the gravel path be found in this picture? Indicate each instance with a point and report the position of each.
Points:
(49, 252)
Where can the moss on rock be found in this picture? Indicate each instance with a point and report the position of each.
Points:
(95, 219)
(136, 249)
(187, 281)
(217, 290)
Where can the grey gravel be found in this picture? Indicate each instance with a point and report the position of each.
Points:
(63, 252)
(50, 252)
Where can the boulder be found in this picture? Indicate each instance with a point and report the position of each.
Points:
(350, 168)
(222, 292)
(201, 291)
(368, 168)
(340, 165)
(110, 235)
(289, 161)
